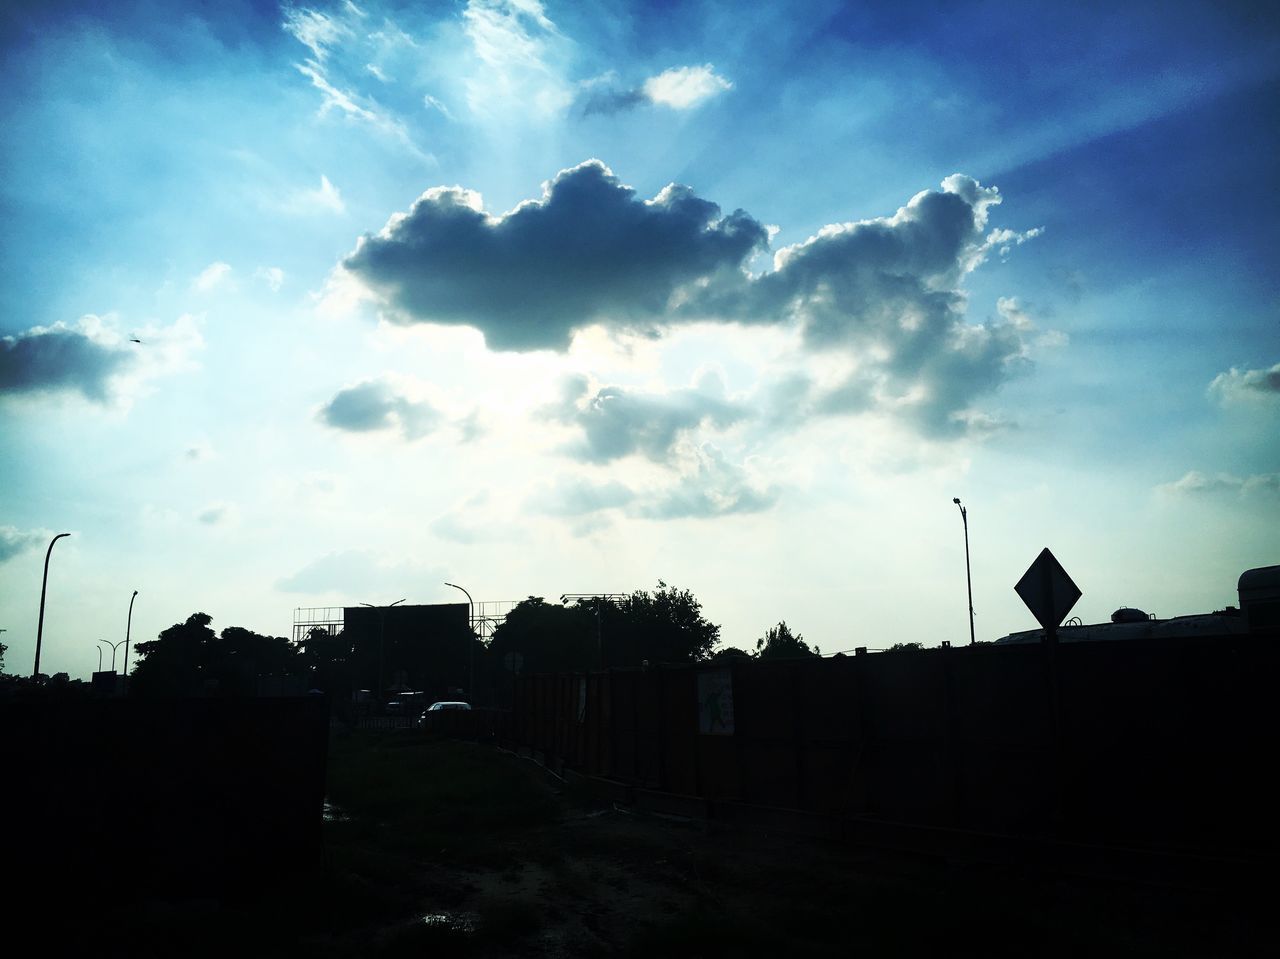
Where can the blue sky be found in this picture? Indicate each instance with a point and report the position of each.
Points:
(419, 302)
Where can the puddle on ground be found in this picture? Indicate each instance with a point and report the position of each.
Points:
(451, 922)
(333, 813)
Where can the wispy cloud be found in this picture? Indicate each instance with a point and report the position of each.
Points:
(273, 276)
(211, 277)
(1196, 483)
(516, 46)
(325, 198)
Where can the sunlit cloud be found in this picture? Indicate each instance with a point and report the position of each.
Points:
(682, 88)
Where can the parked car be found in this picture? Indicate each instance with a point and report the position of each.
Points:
(436, 707)
(440, 708)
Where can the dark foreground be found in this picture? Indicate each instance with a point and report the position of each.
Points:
(445, 848)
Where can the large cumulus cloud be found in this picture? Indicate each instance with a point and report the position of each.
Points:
(589, 251)
(886, 292)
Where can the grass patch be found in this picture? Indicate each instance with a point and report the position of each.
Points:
(432, 797)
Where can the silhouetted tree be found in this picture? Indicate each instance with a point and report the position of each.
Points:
(896, 647)
(779, 642)
(665, 626)
(327, 657)
(547, 636)
(189, 658)
(729, 653)
(3, 647)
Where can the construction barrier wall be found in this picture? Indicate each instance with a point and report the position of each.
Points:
(1164, 743)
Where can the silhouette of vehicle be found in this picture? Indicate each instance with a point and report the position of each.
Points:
(440, 708)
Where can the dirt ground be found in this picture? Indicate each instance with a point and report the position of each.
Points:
(549, 872)
(453, 849)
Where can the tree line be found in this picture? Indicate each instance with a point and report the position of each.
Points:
(665, 625)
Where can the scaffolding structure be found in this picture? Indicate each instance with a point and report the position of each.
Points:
(307, 618)
(486, 616)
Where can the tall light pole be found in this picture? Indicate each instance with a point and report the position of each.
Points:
(382, 636)
(127, 626)
(44, 583)
(471, 646)
(114, 647)
(964, 516)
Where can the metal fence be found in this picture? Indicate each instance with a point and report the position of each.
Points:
(1161, 743)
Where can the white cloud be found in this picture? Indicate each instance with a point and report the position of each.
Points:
(683, 88)
(326, 198)
(273, 276)
(211, 277)
(318, 31)
(516, 45)
(1196, 483)
(1247, 386)
(431, 103)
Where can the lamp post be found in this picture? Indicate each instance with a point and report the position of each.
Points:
(114, 647)
(964, 516)
(601, 599)
(471, 649)
(44, 583)
(382, 636)
(127, 626)
(99, 649)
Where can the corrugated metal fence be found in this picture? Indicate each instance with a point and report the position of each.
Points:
(1155, 742)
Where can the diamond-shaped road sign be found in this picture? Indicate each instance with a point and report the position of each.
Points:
(1047, 590)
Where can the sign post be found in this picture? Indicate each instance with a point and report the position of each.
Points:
(1050, 593)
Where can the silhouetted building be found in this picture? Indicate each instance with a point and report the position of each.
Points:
(398, 648)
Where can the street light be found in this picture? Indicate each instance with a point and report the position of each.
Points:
(601, 599)
(964, 516)
(471, 648)
(43, 585)
(382, 636)
(114, 647)
(127, 626)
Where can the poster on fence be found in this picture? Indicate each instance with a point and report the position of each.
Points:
(715, 702)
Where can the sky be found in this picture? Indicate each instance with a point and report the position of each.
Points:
(315, 305)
